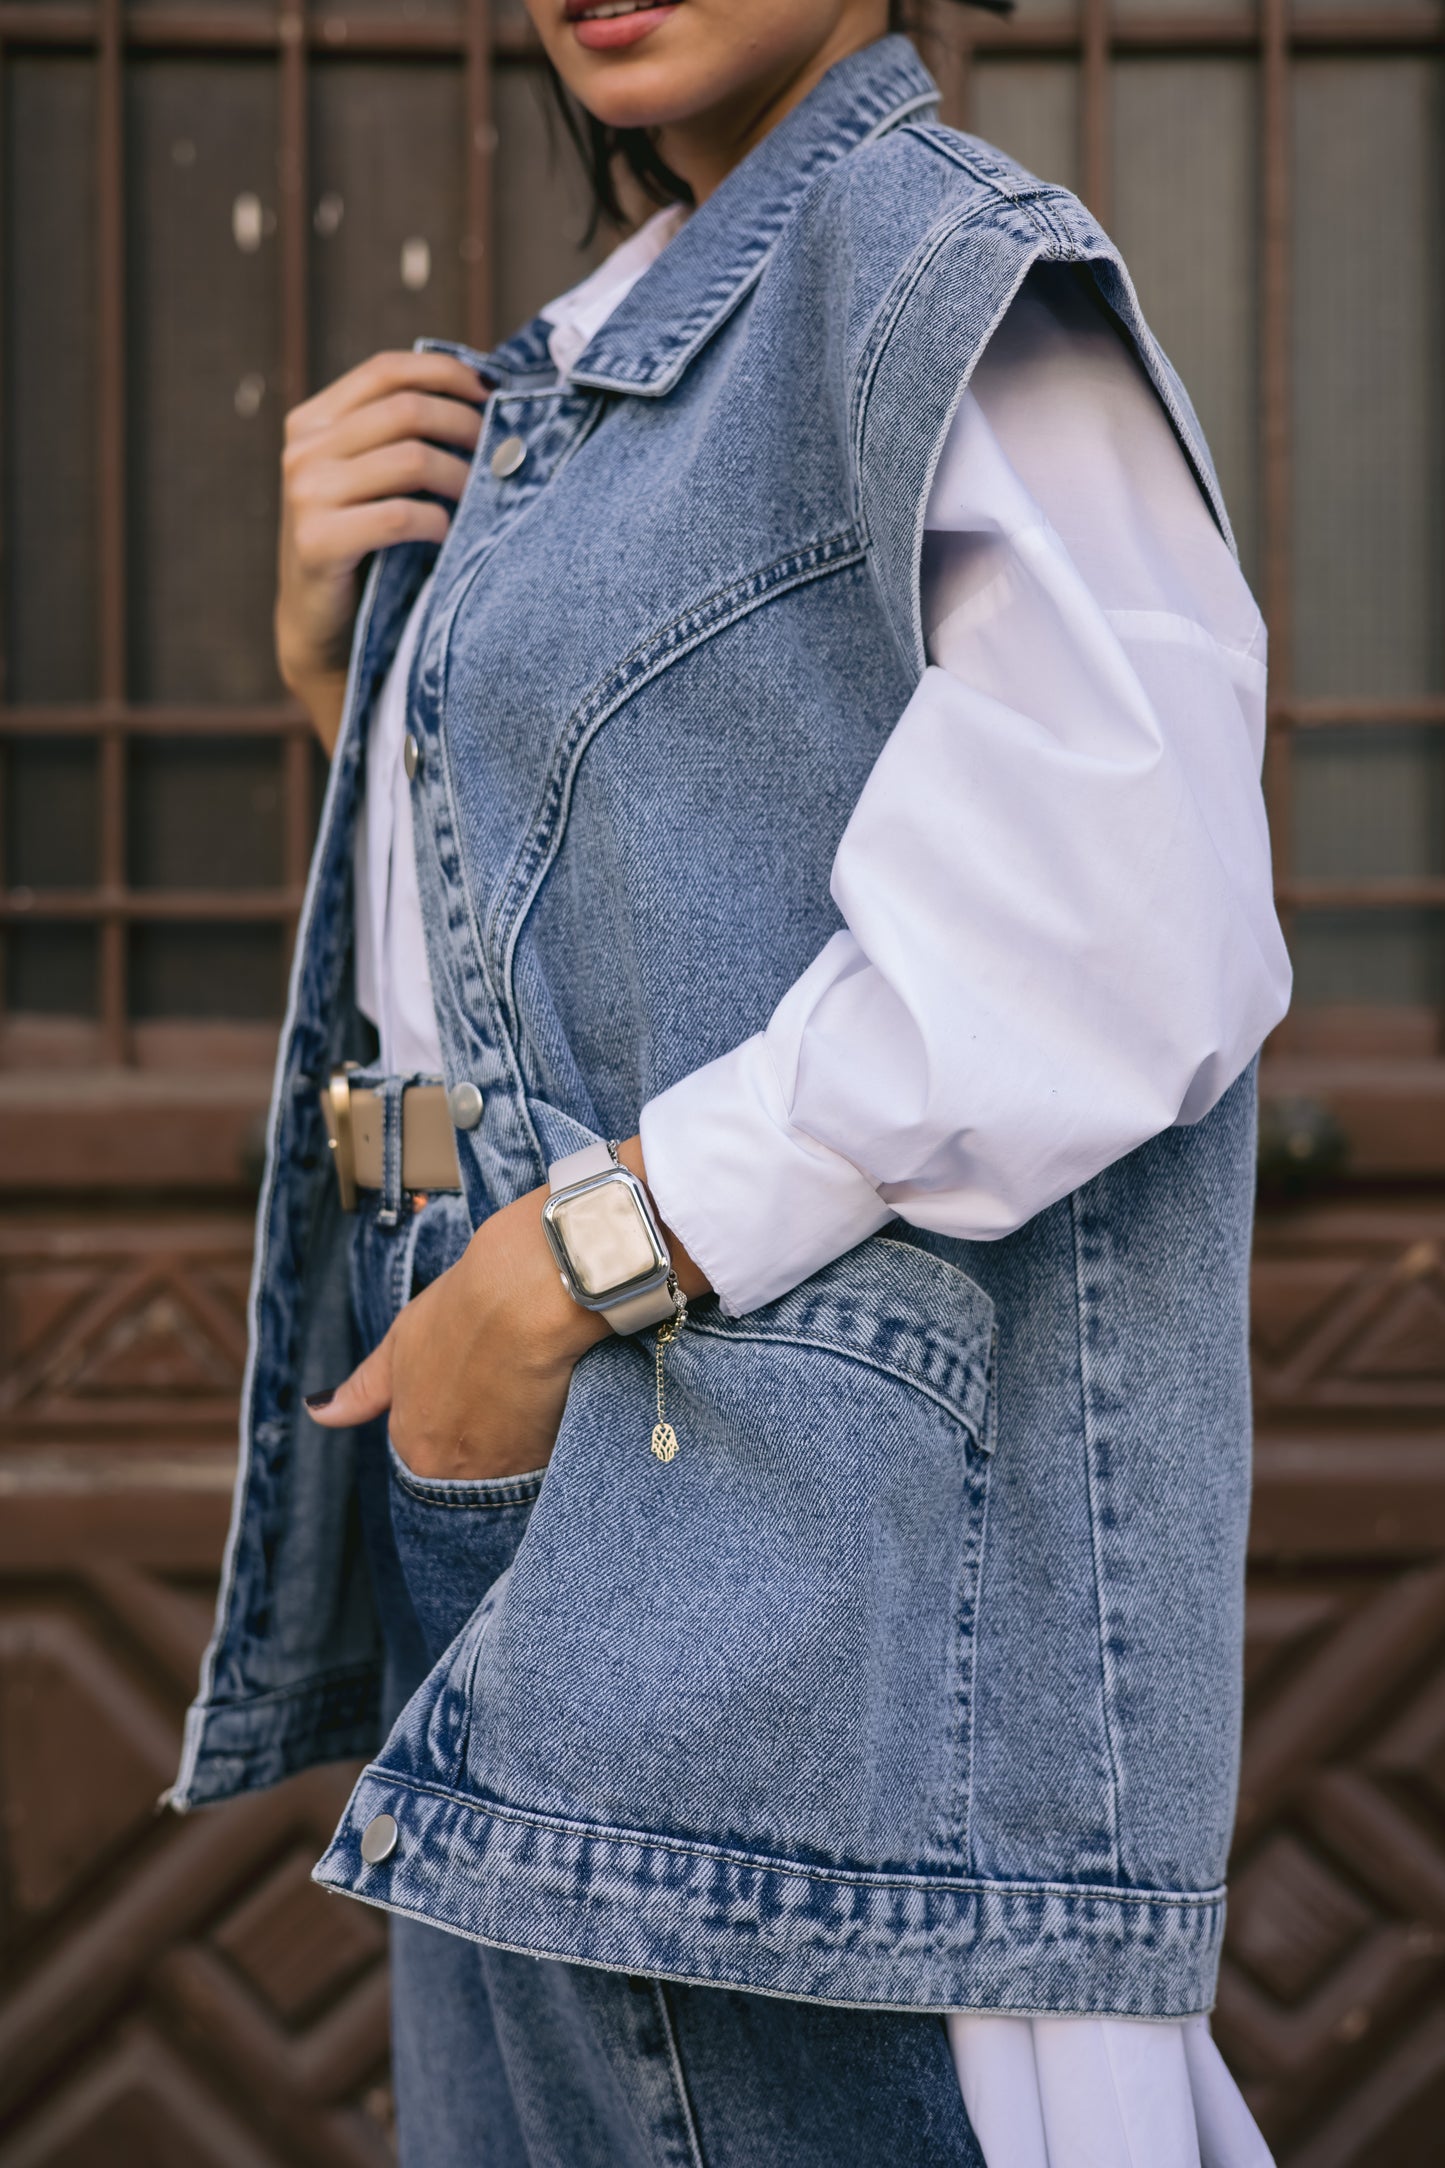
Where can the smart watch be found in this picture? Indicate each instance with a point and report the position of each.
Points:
(604, 1234)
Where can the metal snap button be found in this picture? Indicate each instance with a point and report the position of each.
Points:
(508, 456)
(464, 1104)
(411, 757)
(378, 1839)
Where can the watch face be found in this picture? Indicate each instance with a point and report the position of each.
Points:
(605, 1236)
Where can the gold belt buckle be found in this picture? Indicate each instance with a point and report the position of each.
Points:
(336, 1103)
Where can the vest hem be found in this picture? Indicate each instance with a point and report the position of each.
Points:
(637, 1903)
(248, 1746)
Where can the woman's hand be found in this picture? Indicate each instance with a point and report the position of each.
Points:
(355, 457)
(475, 1369)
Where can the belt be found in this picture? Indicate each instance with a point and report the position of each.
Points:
(355, 1118)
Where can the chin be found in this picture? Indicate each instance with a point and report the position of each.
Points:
(650, 96)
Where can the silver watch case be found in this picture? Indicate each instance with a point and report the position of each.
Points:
(641, 1283)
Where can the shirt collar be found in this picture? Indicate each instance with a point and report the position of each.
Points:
(577, 315)
(671, 311)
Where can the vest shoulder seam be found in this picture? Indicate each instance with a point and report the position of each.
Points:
(1032, 197)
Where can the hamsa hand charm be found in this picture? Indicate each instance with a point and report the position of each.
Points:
(664, 1441)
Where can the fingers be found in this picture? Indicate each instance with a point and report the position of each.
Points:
(358, 458)
(332, 541)
(403, 414)
(378, 378)
(357, 1399)
(395, 470)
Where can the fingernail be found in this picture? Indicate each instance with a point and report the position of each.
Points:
(323, 1399)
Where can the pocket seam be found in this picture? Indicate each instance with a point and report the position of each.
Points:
(974, 1427)
(971, 1351)
(489, 1493)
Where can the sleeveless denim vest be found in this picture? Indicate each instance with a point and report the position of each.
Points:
(914, 1680)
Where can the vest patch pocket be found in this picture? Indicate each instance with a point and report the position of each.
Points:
(453, 1540)
(768, 1642)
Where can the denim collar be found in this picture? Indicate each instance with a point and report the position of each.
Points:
(663, 323)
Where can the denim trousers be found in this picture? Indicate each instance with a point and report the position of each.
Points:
(504, 2060)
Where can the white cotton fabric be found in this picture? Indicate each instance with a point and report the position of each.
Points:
(393, 978)
(1101, 2092)
(1059, 931)
(1059, 937)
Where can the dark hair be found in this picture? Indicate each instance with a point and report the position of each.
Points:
(600, 147)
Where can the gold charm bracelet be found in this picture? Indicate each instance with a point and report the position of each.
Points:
(664, 1437)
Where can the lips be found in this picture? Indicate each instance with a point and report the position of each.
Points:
(601, 11)
(612, 26)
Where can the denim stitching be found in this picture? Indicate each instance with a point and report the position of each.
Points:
(968, 1423)
(523, 1491)
(702, 621)
(1084, 1308)
(978, 1595)
(679, 2082)
(1111, 1893)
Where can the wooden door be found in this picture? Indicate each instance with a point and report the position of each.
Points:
(207, 210)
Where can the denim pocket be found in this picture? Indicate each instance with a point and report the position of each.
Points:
(453, 1540)
(768, 1641)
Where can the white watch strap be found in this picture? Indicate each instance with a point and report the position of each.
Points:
(635, 1311)
(639, 1310)
(577, 1166)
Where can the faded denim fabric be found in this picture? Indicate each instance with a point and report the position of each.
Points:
(914, 1680)
(500, 2059)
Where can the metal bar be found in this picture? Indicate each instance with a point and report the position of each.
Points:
(129, 906)
(4, 584)
(291, 192)
(947, 46)
(89, 721)
(256, 30)
(92, 720)
(110, 491)
(1371, 714)
(477, 248)
(1276, 407)
(295, 379)
(1422, 893)
(1094, 105)
(38, 24)
(300, 824)
(258, 906)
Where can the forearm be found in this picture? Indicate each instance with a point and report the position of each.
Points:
(323, 698)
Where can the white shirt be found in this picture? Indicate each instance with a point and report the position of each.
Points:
(1059, 938)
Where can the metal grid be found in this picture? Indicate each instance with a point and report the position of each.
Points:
(108, 30)
(1270, 32)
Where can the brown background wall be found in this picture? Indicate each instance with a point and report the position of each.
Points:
(208, 208)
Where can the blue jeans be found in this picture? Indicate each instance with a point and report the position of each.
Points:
(509, 2061)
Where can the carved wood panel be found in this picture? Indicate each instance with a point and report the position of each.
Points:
(179, 1992)
(1332, 1998)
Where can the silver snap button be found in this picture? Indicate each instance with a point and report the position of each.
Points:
(507, 457)
(464, 1104)
(411, 757)
(378, 1839)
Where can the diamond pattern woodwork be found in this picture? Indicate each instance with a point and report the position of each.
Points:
(1349, 1311)
(174, 1990)
(179, 1992)
(119, 1328)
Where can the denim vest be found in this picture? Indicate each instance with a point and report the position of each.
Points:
(914, 1680)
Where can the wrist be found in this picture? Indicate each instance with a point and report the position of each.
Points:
(689, 1275)
(547, 1319)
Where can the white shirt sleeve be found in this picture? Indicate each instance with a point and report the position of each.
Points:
(1059, 933)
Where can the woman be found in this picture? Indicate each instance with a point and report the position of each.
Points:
(804, 721)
